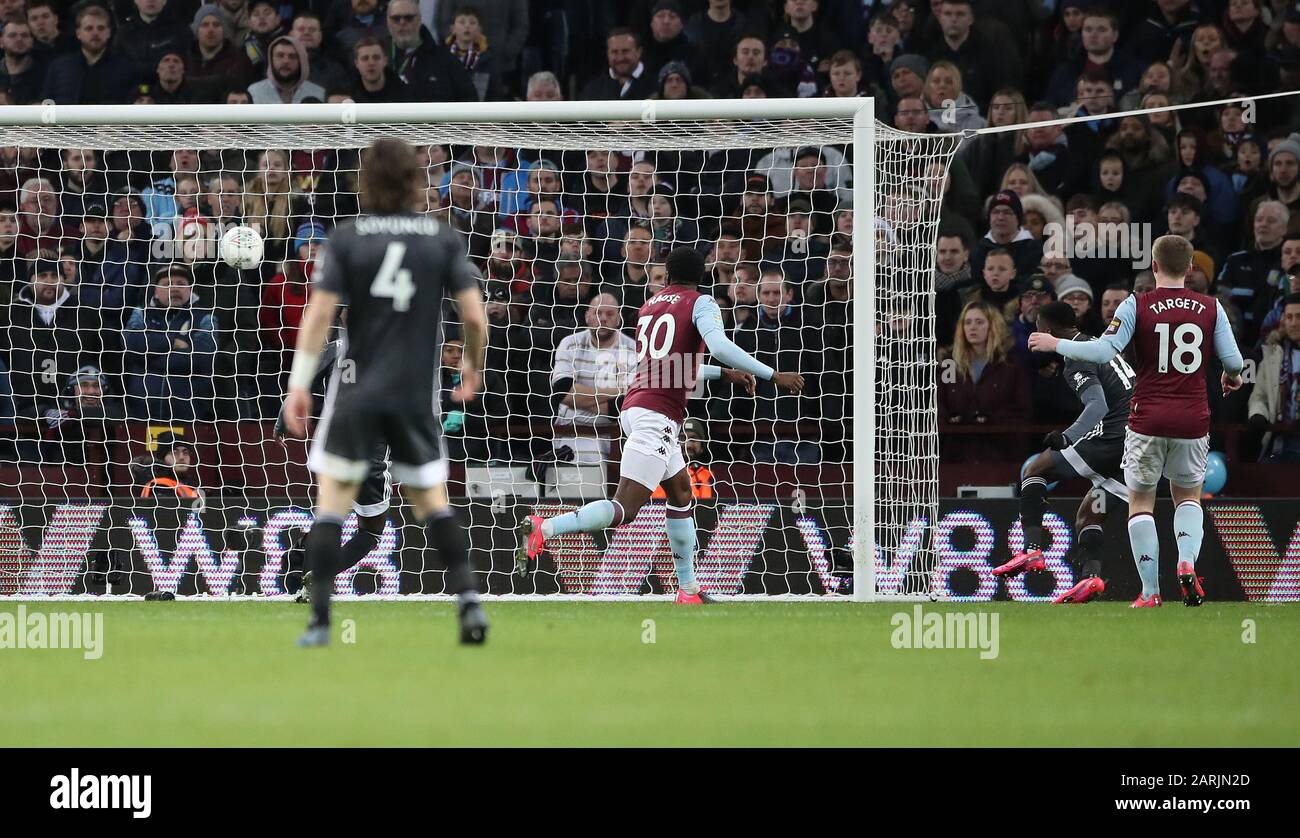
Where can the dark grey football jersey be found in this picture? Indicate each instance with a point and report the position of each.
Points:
(1116, 379)
(393, 272)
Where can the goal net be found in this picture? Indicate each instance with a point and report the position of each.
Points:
(141, 376)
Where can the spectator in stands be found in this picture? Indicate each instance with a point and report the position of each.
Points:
(593, 368)
(913, 116)
(1253, 276)
(88, 418)
(748, 64)
(47, 335)
(373, 80)
(324, 70)
(1094, 98)
(788, 68)
(885, 40)
(1000, 288)
(1006, 219)
(951, 108)
(668, 41)
(713, 32)
(1284, 175)
(426, 66)
(48, 37)
(1276, 396)
(630, 274)
(979, 384)
(984, 65)
(675, 83)
(1290, 284)
(12, 269)
(170, 347)
(363, 19)
(1110, 300)
(1153, 39)
(846, 79)
(167, 473)
(159, 197)
(82, 180)
(952, 278)
(285, 295)
(543, 86)
(505, 24)
(907, 75)
(286, 76)
(1100, 35)
(1078, 295)
(626, 76)
(741, 304)
(39, 224)
(776, 336)
(1244, 27)
(22, 70)
(1034, 293)
(150, 33)
(95, 74)
(265, 27)
(802, 254)
(222, 201)
(468, 45)
(267, 202)
(561, 304)
(1184, 218)
(461, 206)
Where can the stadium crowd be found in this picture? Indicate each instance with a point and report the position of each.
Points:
(116, 306)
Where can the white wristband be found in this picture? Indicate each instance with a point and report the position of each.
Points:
(303, 371)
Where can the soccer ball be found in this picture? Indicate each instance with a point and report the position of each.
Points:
(241, 248)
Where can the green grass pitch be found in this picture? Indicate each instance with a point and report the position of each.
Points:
(577, 673)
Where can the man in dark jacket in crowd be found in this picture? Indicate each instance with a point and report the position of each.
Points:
(22, 70)
(423, 64)
(148, 34)
(95, 74)
(171, 346)
(47, 334)
(625, 76)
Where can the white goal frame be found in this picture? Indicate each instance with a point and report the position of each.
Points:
(860, 110)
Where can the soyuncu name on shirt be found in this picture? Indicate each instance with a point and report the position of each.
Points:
(1177, 302)
(396, 225)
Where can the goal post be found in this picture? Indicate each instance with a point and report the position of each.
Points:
(885, 479)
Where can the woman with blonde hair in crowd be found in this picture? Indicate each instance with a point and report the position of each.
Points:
(951, 108)
(268, 202)
(979, 382)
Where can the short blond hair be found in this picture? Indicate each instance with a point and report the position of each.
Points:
(1172, 255)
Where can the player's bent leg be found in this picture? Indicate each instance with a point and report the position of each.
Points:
(1033, 503)
(1088, 524)
(1189, 531)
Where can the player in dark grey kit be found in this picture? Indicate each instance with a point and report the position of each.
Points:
(1092, 447)
(373, 497)
(391, 268)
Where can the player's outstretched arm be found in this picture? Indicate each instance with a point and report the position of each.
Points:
(708, 320)
(1099, 351)
(1094, 410)
(313, 330)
